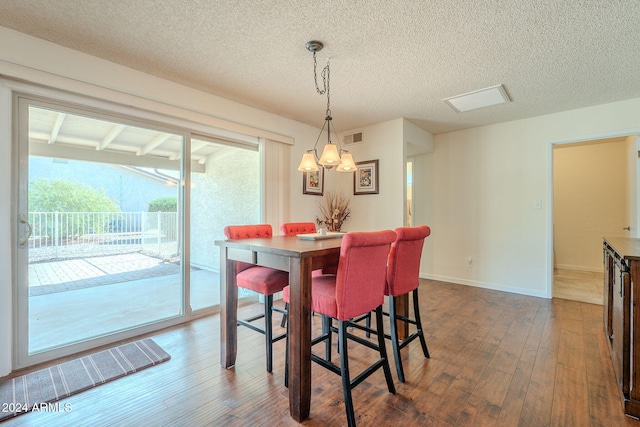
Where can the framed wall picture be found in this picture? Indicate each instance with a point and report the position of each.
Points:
(365, 179)
(313, 182)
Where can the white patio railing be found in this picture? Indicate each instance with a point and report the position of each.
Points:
(64, 235)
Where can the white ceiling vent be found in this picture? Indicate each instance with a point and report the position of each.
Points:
(352, 138)
(486, 97)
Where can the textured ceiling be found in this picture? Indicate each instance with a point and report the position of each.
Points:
(389, 58)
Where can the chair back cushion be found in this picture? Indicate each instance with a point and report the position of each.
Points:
(403, 270)
(293, 228)
(360, 280)
(250, 231)
(234, 232)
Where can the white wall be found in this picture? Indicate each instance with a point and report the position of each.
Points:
(382, 141)
(417, 140)
(591, 200)
(632, 180)
(481, 185)
(388, 142)
(385, 210)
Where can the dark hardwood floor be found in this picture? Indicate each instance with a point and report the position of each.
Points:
(497, 359)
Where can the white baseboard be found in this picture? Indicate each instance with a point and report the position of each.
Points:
(484, 285)
(578, 268)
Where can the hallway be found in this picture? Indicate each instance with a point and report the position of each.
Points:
(583, 286)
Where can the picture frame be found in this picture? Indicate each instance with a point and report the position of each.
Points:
(365, 178)
(313, 182)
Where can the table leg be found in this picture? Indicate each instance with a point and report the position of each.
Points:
(228, 311)
(300, 338)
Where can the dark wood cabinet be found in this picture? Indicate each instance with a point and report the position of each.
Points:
(622, 316)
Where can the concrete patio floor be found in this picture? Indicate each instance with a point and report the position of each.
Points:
(79, 299)
(58, 276)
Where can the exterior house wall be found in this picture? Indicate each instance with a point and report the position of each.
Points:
(131, 191)
(228, 189)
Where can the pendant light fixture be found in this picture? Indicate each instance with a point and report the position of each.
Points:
(332, 154)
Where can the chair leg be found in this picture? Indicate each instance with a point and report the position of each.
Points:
(394, 338)
(344, 372)
(416, 311)
(368, 324)
(285, 316)
(326, 330)
(383, 351)
(268, 330)
(286, 358)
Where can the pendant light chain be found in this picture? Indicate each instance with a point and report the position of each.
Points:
(332, 153)
(325, 81)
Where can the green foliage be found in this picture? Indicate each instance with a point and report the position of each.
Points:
(164, 204)
(47, 195)
(93, 211)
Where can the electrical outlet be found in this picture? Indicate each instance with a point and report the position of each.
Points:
(469, 262)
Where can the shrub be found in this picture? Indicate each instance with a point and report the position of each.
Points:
(46, 195)
(164, 204)
(93, 209)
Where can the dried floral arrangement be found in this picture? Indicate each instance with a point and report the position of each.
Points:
(334, 210)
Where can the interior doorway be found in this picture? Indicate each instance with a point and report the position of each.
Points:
(594, 195)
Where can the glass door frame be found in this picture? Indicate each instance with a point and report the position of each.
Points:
(21, 103)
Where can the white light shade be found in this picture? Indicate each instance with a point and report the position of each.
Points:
(347, 165)
(308, 163)
(330, 156)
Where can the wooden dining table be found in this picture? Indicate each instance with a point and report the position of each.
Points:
(299, 258)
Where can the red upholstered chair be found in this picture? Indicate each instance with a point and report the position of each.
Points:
(293, 228)
(403, 272)
(263, 280)
(356, 289)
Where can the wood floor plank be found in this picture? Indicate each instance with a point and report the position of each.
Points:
(569, 397)
(497, 359)
(536, 409)
(511, 408)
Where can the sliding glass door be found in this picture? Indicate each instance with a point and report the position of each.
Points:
(100, 212)
(117, 220)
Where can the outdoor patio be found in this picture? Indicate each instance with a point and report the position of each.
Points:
(77, 299)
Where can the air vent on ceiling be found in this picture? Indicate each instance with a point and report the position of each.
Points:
(353, 138)
(486, 97)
